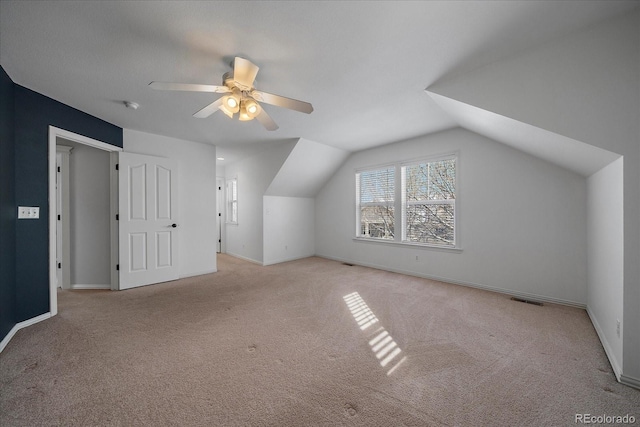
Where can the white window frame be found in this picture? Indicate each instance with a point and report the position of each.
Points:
(359, 205)
(400, 203)
(231, 201)
(406, 203)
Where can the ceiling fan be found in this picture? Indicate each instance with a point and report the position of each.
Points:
(240, 97)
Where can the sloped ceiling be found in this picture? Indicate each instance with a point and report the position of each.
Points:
(573, 101)
(568, 153)
(306, 170)
(363, 65)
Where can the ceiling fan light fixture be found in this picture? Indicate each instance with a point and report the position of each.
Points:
(244, 117)
(232, 102)
(223, 107)
(251, 107)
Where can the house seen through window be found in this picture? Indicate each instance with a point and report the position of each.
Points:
(376, 194)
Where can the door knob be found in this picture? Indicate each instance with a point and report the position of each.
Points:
(174, 225)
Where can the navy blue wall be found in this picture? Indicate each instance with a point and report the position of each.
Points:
(7, 207)
(33, 114)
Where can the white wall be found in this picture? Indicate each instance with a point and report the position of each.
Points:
(289, 228)
(197, 198)
(584, 86)
(605, 291)
(254, 174)
(89, 205)
(522, 221)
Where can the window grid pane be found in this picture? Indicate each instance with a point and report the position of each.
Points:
(377, 222)
(431, 224)
(442, 180)
(431, 181)
(429, 202)
(377, 186)
(376, 198)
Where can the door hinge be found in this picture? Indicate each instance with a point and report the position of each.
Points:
(58, 168)
(117, 166)
(219, 214)
(117, 217)
(58, 217)
(117, 266)
(219, 188)
(59, 265)
(219, 240)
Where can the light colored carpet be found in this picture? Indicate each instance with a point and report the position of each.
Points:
(303, 343)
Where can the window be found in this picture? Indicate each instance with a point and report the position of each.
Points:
(376, 194)
(232, 201)
(429, 202)
(425, 200)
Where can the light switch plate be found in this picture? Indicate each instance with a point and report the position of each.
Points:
(28, 212)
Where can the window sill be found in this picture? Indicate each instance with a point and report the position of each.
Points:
(407, 244)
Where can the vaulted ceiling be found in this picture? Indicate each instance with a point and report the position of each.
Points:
(363, 65)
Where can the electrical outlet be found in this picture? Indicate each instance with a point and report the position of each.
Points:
(28, 212)
(618, 327)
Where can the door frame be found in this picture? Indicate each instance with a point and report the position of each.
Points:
(63, 225)
(221, 214)
(54, 134)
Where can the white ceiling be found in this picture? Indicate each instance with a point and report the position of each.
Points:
(363, 65)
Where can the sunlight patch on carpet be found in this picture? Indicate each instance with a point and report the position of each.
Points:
(382, 344)
(360, 310)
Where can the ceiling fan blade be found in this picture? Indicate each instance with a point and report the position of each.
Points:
(188, 87)
(209, 109)
(266, 121)
(281, 101)
(244, 72)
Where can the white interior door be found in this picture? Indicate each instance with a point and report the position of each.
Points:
(148, 222)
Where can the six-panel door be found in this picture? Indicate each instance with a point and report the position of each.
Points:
(148, 223)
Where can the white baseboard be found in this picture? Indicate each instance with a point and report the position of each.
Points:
(278, 261)
(8, 337)
(630, 381)
(21, 325)
(605, 344)
(523, 295)
(244, 258)
(199, 273)
(93, 286)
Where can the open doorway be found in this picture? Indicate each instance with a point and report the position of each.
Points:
(83, 216)
(109, 241)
